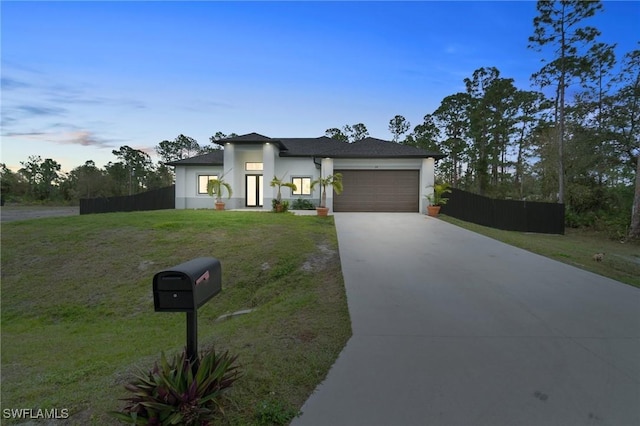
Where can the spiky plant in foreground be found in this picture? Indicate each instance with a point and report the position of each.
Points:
(177, 393)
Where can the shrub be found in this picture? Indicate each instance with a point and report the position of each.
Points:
(280, 206)
(302, 204)
(179, 392)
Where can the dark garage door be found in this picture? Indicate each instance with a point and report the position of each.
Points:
(378, 191)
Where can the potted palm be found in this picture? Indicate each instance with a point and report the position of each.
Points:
(216, 187)
(278, 205)
(334, 180)
(437, 199)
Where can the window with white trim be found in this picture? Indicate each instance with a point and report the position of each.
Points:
(253, 167)
(303, 185)
(203, 181)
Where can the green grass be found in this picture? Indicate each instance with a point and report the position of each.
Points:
(576, 247)
(78, 318)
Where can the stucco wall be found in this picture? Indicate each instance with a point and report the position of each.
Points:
(187, 196)
(283, 167)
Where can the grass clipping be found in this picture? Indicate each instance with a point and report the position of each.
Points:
(78, 318)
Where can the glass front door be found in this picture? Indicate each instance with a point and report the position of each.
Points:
(255, 194)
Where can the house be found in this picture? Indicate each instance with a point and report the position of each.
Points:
(377, 175)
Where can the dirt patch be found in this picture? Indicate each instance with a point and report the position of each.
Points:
(319, 260)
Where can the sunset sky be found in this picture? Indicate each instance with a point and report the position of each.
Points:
(80, 79)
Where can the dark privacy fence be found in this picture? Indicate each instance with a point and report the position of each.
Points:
(158, 199)
(510, 215)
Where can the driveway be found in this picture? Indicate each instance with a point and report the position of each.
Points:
(12, 213)
(454, 328)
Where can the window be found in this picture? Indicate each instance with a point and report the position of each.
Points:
(203, 180)
(253, 167)
(303, 185)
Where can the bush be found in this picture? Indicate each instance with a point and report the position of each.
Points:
(302, 204)
(178, 392)
(280, 207)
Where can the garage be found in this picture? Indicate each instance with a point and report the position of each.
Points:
(378, 191)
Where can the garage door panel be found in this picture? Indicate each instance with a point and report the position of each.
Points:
(378, 190)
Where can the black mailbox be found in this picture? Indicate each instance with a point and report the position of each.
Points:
(186, 287)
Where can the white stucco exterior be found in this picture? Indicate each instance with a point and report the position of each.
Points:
(236, 157)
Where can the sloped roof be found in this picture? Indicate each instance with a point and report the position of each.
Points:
(249, 138)
(213, 158)
(365, 148)
(309, 147)
(316, 147)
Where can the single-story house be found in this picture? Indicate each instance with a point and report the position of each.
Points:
(377, 175)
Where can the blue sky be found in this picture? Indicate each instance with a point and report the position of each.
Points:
(80, 79)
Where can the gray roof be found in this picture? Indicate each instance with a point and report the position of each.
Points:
(317, 147)
(365, 148)
(250, 138)
(213, 158)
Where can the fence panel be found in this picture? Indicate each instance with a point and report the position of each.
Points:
(510, 215)
(157, 199)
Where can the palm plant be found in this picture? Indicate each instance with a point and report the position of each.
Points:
(334, 180)
(436, 198)
(279, 182)
(216, 187)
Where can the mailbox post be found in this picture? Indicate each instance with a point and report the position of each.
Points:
(186, 287)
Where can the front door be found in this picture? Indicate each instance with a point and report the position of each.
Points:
(255, 194)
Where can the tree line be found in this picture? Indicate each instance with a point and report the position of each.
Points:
(575, 140)
(132, 172)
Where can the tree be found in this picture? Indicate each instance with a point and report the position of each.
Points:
(42, 175)
(626, 123)
(358, 132)
(453, 117)
(279, 182)
(530, 106)
(136, 164)
(219, 136)
(480, 123)
(161, 177)
(558, 25)
(30, 170)
(12, 184)
(334, 180)
(180, 148)
(214, 142)
(348, 133)
(88, 181)
(337, 134)
(425, 135)
(49, 176)
(398, 126)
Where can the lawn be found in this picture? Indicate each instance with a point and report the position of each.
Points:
(78, 318)
(577, 247)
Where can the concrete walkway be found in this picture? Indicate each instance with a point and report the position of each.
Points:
(453, 328)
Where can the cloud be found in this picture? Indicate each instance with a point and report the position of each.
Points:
(41, 110)
(84, 138)
(9, 84)
(79, 137)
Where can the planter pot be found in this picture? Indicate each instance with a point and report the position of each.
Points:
(322, 211)
(433, 210)
(219, 205)
(279, 208)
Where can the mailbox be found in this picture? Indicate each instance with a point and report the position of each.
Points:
(186, 287)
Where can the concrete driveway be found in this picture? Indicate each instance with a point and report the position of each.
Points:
(453, 328)
(13, 213)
